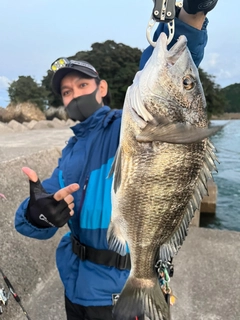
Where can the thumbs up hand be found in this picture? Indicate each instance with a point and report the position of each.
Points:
(46, 210)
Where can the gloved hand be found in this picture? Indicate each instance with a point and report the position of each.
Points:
(48, 210)
(194, 6)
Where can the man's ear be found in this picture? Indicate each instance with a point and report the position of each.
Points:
(103, 87)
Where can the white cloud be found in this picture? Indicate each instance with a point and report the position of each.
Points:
(213, 60)
(4, 82)
(225, 74)
(225, 70)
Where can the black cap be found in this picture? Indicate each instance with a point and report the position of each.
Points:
(73, 65)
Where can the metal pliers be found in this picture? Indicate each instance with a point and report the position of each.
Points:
(164, 11)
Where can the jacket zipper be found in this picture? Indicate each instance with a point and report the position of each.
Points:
(83, 195)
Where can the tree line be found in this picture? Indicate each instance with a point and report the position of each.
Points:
(117, 64)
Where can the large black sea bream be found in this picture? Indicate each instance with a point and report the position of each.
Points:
(160, 172)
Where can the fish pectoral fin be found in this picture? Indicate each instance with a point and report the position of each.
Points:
(176, 133)
(116, 241)
(116, 169)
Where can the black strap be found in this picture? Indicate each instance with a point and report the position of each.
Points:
(106, 257)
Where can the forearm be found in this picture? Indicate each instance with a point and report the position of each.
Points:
(193, 20)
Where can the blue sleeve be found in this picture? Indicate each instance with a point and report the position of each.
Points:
(24, 227)
(197, 40)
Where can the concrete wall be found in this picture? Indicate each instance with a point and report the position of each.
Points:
(28, 263)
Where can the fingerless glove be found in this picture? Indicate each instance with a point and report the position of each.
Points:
(43, 210)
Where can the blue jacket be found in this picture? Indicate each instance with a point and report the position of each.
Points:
(86, 160)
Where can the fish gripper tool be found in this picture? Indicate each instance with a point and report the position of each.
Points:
(163, 11)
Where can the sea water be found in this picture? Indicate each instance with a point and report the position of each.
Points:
(227, 143)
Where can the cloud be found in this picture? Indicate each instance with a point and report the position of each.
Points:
(225, 70)
(213, 60)
(4, 82)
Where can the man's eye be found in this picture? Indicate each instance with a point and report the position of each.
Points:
(65, 93)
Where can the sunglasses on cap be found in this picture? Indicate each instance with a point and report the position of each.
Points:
(78, 65)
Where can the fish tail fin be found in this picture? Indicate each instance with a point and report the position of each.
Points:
(137, 300)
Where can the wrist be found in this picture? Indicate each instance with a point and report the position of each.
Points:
(195, 20)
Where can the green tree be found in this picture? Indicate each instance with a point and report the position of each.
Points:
(115, 62)
(232, 94)
(215, 98)
(25, 89)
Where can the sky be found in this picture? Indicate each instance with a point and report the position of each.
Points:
(35, 33)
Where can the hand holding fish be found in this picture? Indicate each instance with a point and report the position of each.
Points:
(48, 210)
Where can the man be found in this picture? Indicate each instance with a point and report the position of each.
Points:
(78, 192)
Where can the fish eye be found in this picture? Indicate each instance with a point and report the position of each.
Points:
(188, 82)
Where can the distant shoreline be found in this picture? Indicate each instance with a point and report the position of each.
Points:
(226, 116)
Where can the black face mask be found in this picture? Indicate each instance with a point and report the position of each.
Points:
(82, 107)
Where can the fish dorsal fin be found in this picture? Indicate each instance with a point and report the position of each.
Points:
(177, 133)
(116, 170)
(170, 248)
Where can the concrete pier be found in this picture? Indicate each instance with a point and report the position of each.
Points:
(208, 205)
(207, 267)
(209, 202)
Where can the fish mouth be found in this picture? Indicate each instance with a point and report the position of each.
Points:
(160, 59)
(174, 53)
